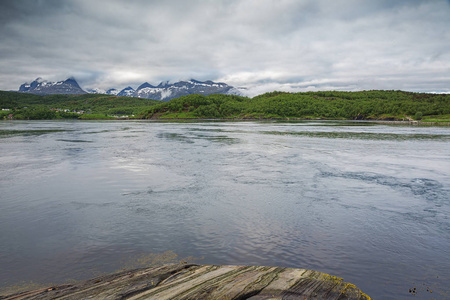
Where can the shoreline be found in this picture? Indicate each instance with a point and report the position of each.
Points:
(380, 121)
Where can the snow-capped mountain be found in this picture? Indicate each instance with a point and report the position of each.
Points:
(166, 91)
(43, 87)
(163, 91)
(96, 91)
(102, 91)
(127, 92)
(112, 92)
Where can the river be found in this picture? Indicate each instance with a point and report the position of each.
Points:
(364, 201)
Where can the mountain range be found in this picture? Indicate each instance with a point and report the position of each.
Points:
(163, 91)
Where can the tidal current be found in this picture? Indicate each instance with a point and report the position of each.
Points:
(363, 201)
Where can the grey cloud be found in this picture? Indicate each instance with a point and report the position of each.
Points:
(352, 44)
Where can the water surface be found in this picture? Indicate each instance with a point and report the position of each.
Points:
(362, 201)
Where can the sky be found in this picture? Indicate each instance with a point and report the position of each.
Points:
(258, 45)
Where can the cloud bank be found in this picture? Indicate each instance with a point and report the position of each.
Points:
(261, 45)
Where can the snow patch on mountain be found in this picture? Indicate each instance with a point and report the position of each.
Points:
(112, 92)
(96, 91)
(166, 94)
(127, 92)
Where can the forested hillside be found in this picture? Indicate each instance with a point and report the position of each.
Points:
(364, 105)
(386, 105)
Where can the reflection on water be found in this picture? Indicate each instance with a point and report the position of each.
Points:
(194, 135)
(8, 132)
(363, 135)
(74, 141)
(363, 201)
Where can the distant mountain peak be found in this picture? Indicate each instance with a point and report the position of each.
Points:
(43, 87)
(72, 81)
(127, 92)
(163, 84)
(145, 85)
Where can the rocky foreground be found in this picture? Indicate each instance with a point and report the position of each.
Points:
(188, 281)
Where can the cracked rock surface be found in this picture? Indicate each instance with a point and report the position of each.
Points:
(189, 281)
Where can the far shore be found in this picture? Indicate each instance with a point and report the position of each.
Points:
(380, 121)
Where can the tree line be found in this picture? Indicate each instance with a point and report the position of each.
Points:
(364, 105)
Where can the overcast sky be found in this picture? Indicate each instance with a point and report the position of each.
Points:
(263, 45)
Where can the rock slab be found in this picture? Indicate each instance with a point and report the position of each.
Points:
(189, 281)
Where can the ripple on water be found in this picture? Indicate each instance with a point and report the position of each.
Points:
(365, 202)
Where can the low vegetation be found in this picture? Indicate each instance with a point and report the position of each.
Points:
(364, 105)
(88, 106)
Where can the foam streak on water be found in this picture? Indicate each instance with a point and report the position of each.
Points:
(362, 201)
